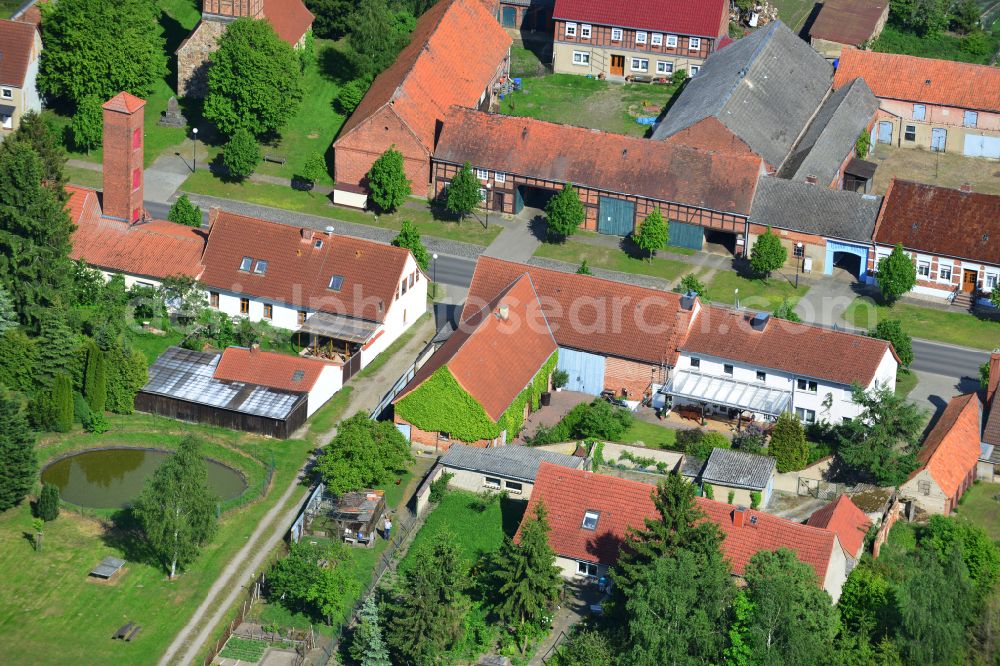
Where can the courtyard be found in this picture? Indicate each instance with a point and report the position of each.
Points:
(943, 169)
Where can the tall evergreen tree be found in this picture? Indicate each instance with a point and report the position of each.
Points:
(48, 502)
(885, 437)
(18, 463)
(368, 647)
(8, 316)
(788, 444)
(527, 577)
(56, 346)
(62, 403)
(37, 132)
(177, 508)
(127, 373)
(95, 378)
(35, 231)
(427, 619)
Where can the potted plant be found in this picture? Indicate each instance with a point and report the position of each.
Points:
(559, 379)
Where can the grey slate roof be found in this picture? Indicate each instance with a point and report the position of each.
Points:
(832, 134)
(738, 469)
(511, 461)
(814, 209)
(765, 88)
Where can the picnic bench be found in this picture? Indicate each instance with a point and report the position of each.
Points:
(127, 632)
(275, 159)
(107, 567)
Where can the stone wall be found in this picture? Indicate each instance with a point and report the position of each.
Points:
(193, 58)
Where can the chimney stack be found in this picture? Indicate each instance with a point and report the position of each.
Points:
(812, 180)
(966, 187)
(991, 387)
(503, 312)
(123, 157)
(739, 515)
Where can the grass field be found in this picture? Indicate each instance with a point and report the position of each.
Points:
(650, 435)
(793, 12)
(613, 259)
(58, 615)
(8, 7)
(906, 381)
(84, 177)
(943, 169)
(578, 100)
(754, 294)
(279, 196)
(957, 328)
(979, 505)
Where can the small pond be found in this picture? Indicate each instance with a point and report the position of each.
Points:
(113, 478)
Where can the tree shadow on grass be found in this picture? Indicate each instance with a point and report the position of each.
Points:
(336, 66)
(124, 533)
(511, 513)
(174, 33)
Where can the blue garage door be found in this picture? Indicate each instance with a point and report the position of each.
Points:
(686, 235)
(616, 217)
(586, 371)
(982, 146)
(859, 251)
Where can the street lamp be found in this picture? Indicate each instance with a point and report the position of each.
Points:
(798, 262)
(194, 151)
(434, 273)
(737, 292)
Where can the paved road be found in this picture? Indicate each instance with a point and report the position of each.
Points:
(453, 270)
(947, 360)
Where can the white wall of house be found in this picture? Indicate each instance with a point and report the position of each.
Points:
(570, 568)
(923, 490)
(836, 571)
(829, 401)
(282, 316)
(329, 382)
(402, 312)
(477, 482)
(939, 276)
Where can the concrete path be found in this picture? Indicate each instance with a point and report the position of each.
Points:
(271, 530)
(827, 298)
(164, 177)
(517, 241)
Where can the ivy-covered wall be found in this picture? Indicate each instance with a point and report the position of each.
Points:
(440, 404)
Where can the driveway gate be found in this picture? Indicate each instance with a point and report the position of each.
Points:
(616, 217)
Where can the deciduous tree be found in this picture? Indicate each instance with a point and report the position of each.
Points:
(332, 17)
(315, 169)
(979, 553)
(409, 238)
(585, 647)
(255, 81)
(564, 214)
(895, 274)
(350, 95)
(653, 233)
(691, 284)
(884, 438)
(387, 180)
(788, 444)
(935, 604)
(364, 453)
(101, 47)
(767, 254)
(462, 195)
(241, 154)
(177, 509)
(376, 34)
(18, 463)
(88, 123)
(891, 330)
(184, 212)
(786, 311)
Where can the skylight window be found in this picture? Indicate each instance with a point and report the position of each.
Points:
(319, 243)
(590, 519)
(336, 282)
(261, 267)
(298, 375)
(245, 264)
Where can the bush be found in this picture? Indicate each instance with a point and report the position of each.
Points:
(97, 423)
(350, 95)
(603, 420)
(48, 502)
(241, 154)
(708, 490)
(755, 498)
(690, 283)
(560, 378)
(731, 496)
(788, 444)
(439, 487)
(185, 212)
(751, 439)
(689, 438)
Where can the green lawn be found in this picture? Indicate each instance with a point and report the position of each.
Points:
(84, 177)
(152, 345)
(957, 328)
(613, 259)
(650, 434)
(906, 381)
(8, 7)
(793, 12)
(980, 506)
(60, 616)
(755, 294)
(524, 62)
(279, 196)
(588, 102)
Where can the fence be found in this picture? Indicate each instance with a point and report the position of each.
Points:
(251, 494)
(891, 516)
(251, 596)
(824, 490)
(555, 646)
(310, 508)
(403, 380)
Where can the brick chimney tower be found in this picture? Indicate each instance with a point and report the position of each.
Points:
(233, 8)
(123, 143)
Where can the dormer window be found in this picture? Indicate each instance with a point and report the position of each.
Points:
(245, 264)
(260, 268)
(336, 282)
(590, 519)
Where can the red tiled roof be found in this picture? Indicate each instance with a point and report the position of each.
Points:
(847, 520)
(925, 80)
(16, 42)
(683, 17)
(851, 22)
(155, 249)
(925, 218)
(800, 349)
(298, 273)
(452, 56)
(124, 103)
(290, 18)
(622, 503)
(951, 449)
(710, 134)
(253, 366)
(492, 359)
(991, 429)
(590, 313)
(601, 160)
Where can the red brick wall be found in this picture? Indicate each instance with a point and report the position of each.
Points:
(354, 154)
(234, 7)
(121, 160)
(600, 35)
(631, 375)
(433, 439)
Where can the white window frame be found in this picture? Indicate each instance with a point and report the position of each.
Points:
(570, 30)
(482, 174)
(588, 516)
(581, 58)
(942, 267)
(483, 193)
(694, 43)
(488, 482)
(805, 415)
(499, 177)
(694, 70)
(7, 122)
(656, 39)
(587, 569)
(909, 129)
(640, 36)
(246, 263)
(806, 385)
(664, 67)
(617, 34)
(973, 115)
(991, 281)
(7, 93)
(671, 41)
(514, 487)
(924, 268)
(585, 31)
(641, 67)
(919, 112)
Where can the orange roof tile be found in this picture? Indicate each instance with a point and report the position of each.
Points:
(290, 19)
(16, 42)
(125, 103)
(951, 449)
(847, 520)
(622, 503)
(709, 134)
(155, 249)
(452, 56)
(495, 359)
(298, 273)
(925, 80)
(851, 22)
(590, 313)
(702, 18)
(279, 371)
